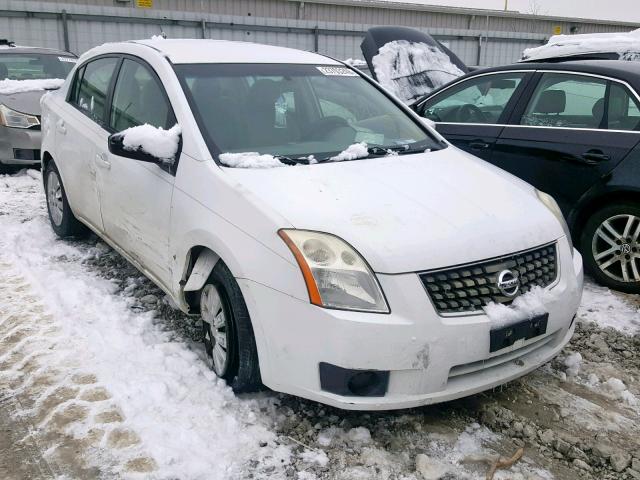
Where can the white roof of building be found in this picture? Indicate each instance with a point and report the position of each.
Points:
(222, 51)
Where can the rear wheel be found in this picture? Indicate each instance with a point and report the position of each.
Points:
(63, 222)
(611, 246)
(228, 333)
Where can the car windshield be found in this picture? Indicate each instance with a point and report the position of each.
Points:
(27, 66)
(296, 111)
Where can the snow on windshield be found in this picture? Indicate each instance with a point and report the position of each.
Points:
(626, 44)
(9, 86)
(155, 141)
(410, 70)
(352, 152)
(250, 160)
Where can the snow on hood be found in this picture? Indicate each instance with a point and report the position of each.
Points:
(408, 213)
(626, 44)
(412, 69)
(10, 87)
(155, 141)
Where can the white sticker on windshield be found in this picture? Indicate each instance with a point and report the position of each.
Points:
(67, 59)
(337, 71)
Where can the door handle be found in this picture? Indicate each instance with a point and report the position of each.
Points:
(102, 162)
(60, 127)
(593, 157)
(479, 145)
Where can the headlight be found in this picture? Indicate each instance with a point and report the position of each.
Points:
(552, 205)
(11, 118)
(336, 275)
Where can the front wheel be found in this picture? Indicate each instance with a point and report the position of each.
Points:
(228, 333)
(610, 244)
(63, 222)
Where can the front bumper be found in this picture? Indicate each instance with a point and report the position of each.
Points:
(429, 358)
(19, 146)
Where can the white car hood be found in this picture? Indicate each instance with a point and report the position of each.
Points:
(409, 213)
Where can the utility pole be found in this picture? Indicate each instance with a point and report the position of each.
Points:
(506, 5)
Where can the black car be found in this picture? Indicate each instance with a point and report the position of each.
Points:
(571, 129)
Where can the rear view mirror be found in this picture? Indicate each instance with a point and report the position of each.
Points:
(116, 146)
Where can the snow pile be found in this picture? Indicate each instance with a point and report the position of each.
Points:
(155, 141)
(573, 362)
(525, 306)
(9, 87)
(618, 389)
(315, 456)
(410, 70)
(627, 45)
(157, 37)
(352, 152)
(359, 435)
(250, 160)
(600, 305)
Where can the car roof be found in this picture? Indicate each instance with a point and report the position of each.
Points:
(223, 51)
(38, 50)
(622, 69)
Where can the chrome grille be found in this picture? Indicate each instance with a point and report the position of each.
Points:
(468, 288)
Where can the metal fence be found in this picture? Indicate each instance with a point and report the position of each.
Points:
(307, 25)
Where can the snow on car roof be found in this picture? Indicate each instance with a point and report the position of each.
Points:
(625, 44)
(223, 51)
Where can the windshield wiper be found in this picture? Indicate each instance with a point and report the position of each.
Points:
(292, 161)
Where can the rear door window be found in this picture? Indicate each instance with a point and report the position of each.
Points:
(94, 87)
(566, 100)
(623, 112)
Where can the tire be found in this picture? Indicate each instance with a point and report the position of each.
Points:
(62, 220)
(610, 245)
(226, 321)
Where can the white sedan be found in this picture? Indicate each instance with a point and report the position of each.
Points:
(335, 246)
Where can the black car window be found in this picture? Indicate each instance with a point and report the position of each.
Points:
(138, 98)
(478, 100)
(624, 111)
(75, 87)
(94, 85)
(566, 100)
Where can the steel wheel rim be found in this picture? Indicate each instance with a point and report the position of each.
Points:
(54, 198)
(616, 248)
(216, 329)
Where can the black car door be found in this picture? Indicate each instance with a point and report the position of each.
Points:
(471, 113)
(569, 132)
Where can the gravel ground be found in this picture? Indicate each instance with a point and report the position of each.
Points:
(576, 418)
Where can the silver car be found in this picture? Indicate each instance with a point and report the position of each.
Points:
(25, 75)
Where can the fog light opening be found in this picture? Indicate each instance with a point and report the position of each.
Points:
(363, 383)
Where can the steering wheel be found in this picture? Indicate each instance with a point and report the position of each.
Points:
(321, 128)
(469, 113)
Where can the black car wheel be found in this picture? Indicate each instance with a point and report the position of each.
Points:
(228, 334)
(611, 246)
(63, 222)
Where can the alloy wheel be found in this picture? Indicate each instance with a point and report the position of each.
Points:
(54, 198)
(616, 247)
(216, 329)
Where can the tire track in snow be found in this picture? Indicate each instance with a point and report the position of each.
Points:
(98, 378)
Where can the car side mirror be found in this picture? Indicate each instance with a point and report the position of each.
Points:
(116, 146)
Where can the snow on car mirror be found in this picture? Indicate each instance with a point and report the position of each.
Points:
(147, 143)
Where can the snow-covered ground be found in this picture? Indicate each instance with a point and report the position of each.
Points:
(112, 384)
